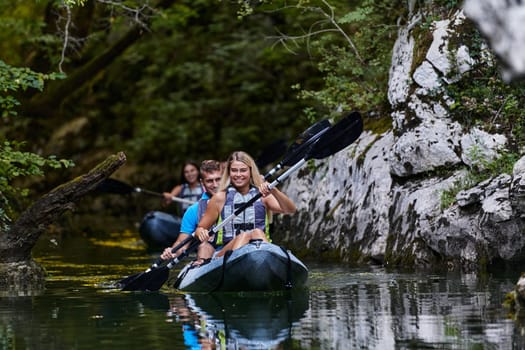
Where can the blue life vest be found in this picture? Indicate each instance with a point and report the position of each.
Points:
(201, 209)
(191, 194)
(251, 218)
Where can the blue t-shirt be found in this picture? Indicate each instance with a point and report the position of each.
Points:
(190, 219)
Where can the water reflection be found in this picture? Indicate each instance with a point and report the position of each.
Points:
(381, 310)
(240, 321)
(343, 308)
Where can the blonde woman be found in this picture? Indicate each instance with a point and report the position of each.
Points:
(240, 182)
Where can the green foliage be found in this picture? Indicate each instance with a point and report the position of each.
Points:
(360, 15)
(448, 197)
(15, 163)
(352, 48)
(14, 79)
(201, 83)
(21, 27)
(224, 89)
(482, 98)
(448, 4)
(481, 170)
(75, 2)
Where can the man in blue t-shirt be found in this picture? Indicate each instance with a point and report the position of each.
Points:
(210, 178)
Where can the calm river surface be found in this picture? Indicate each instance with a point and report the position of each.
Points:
(343, 308)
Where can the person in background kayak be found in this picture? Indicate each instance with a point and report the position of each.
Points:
(210, 171)
(190, 187)
(240, 182)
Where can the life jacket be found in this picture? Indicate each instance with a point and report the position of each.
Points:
(191, 194)
(201, 208)
(251, 218)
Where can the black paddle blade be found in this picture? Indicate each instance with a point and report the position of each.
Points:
(125, 281)
(337, 137)
(110, 185)
(271, 153)
(300, 147)
(149, 281)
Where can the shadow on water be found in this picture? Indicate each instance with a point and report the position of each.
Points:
(343, 308)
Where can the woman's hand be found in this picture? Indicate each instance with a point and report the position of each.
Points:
(168, 198)
(264, 188)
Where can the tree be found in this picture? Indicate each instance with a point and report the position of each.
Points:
(15, 163)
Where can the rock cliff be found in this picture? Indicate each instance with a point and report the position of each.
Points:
(382, 198)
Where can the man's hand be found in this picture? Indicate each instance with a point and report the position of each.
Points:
(167, 254)
(202, 234)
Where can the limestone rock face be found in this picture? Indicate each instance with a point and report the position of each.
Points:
(381, 199)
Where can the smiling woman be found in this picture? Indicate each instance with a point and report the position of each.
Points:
(240, 182)
(190, 188)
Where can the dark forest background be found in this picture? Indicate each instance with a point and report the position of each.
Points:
(171, 80)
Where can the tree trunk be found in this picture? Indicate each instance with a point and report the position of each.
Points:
(17, 243)
(17, 269)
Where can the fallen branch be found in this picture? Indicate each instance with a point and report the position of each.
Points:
(17, 242)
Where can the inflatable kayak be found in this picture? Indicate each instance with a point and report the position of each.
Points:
(257, 266)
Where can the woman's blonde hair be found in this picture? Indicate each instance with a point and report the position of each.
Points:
(255, 178)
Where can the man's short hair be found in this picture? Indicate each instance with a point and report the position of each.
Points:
(210, 165)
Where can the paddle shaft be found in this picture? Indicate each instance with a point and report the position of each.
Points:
(238, 211)
(173, 198)
(299, 151)
(294, 153)
(161, 274)
(335, 138)
(173, 251)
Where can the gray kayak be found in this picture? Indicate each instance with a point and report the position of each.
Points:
(159, 230)
(257, 266)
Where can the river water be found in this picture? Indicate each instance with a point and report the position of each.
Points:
(342, 308)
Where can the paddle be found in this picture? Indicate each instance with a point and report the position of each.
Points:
(294, 153)
(271, 153)
(123, 283)
(298, 149)
(332, 141)
(111, 185)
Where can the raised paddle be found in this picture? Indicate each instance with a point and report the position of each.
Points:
(294, 153)
(271, 153)
(332, 141)
(111, 185)
(298, 149)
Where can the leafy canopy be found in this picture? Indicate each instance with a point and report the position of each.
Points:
(15, 163)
